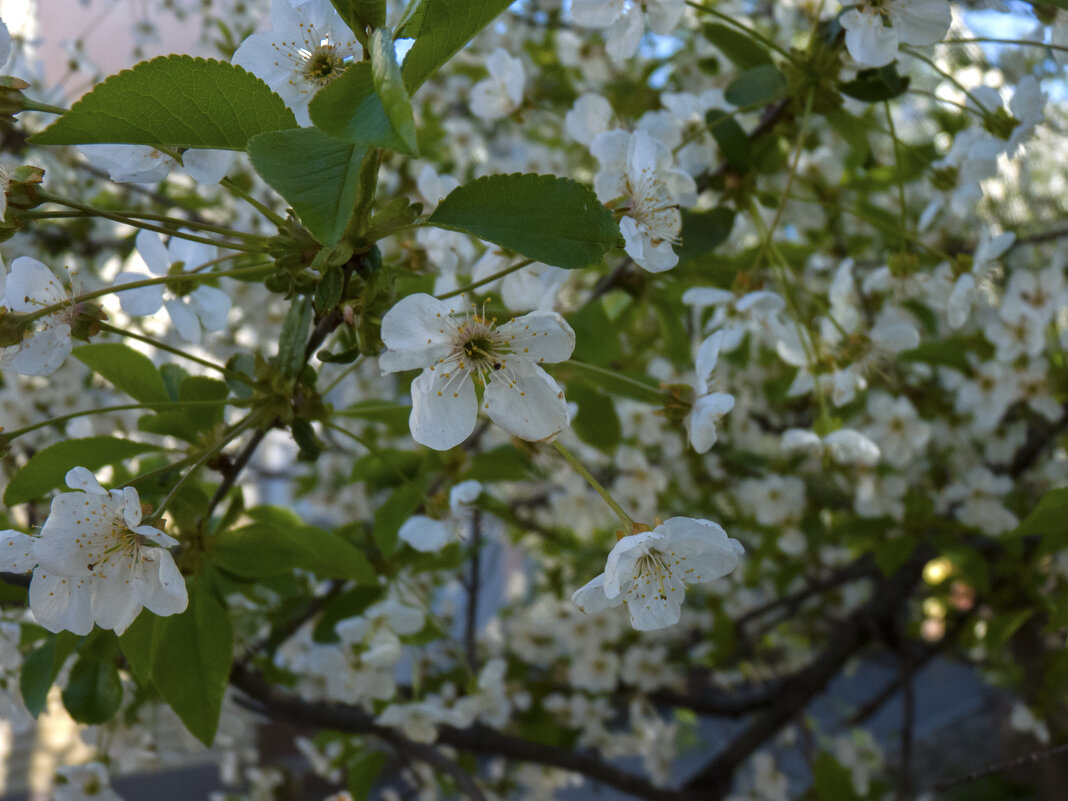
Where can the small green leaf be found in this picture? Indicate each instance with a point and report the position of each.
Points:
(47, 468)
(756, 86)
(193, 656)
(831, 781)
(178, 101)
(93, 692)
(552, 220)
(363, 772)
(596, 422)
(328, 290)
(138, 644)
(263, 550)
(351, 110)
(704, 231)
(731, 138)
(947, 353)
(129, 370)
(391, 515)
(316, 174)
(389, 85)
(441, 28)
(40, 668)
(742, 51)
(291, 344)
(876, 85)
(1048, 522)
(361, 14)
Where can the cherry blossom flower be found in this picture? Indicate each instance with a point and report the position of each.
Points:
(875, 27)
(30, 287)
(709, 406)
(636, 168)
(427, 534)
(204, 307)
(625, 21)
(501, 93)
(454, 351)
(650, 571)
(94, 561)
(307, 47)
(141, 164)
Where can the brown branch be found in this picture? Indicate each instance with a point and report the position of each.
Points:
(1019, 762)
(479, 739)
(471, 613)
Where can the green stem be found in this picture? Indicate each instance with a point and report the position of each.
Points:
(374, 451)
(593, 368)
(745, 28)
(162, 218)
(580, 468)
(489, 279)
(226, 439)
(48, 197)
(991, 40)
(962, 106)
(115, 288)
(125, 407)
(341, 376)
(945, 75)
(226, 371)
(237, 191)
(36, 105)
(899, 176)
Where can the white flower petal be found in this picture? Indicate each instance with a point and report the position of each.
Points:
(590, 598)
(539, 337)
(31, 286)
(80, 478)
(153, 252)
(530, 406)
(212, 306)
(60, 604)
(208, 167)
(141, 301)
(444, 409)
(16, 552)
(184, 319)
(425, 534)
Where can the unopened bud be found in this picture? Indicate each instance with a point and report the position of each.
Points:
(12, 327)
(86, 319)
(12, 101)
(22, 187)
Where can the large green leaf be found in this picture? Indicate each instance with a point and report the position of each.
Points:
(441, 28)
(193, 654)
(351, 110)
(93, 692)
(316, 174)
(1047, 521)
(552, 220)
(128, 369)
(47, 468)
(178, 101)
(743, 51)
(262, 550)
(41, 666)
(761, 84)
(361, 14)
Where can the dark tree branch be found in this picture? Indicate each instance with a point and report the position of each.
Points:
(479, 739)
(714, 780)
(1019, 762)
(471, 613)
(863, 567)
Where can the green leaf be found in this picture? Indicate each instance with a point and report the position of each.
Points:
(831, 781)
(391, 515)
(177, 101)
(441, 28)
(262, 550)
(316, 174)
(892, 554)
(138, 644)
(876, 85)
(504, 463)
(704, 231)
(1048, 522)
(93, 692)
(596, 422)
(351, 110)
(948, 353)
(40, 668)
(1003, 625)
(188, 424)
(389, 86)
(756, 86)
(363, 772)
(742, 51)
(731, 138)
(193, 657)
(291, 344)
(47, 468)
(552, 220)
(361, 14)
(328, 290)
(129, 370)
(596, 337)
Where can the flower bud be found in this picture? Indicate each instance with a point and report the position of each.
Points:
(12, 101)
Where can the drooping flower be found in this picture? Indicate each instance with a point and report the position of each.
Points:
(875, 28)
(453, 351)
(307, 48)
(650, 571)
(95, 562)
(709, 406)
(636, 169)
(191, 306)
(31, 287)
